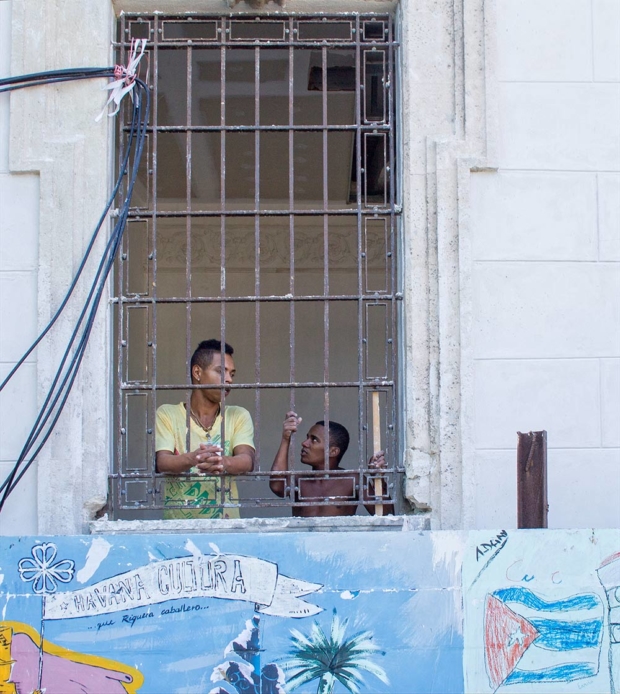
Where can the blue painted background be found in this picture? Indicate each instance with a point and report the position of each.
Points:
(398, 586)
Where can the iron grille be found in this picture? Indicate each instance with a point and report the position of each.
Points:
(265, 215)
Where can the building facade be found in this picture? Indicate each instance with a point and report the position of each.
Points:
(508, 157)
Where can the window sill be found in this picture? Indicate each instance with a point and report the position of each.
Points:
(263, 525)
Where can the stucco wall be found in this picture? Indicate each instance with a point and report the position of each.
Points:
(60, 162)
(545, 235)
(19, 227)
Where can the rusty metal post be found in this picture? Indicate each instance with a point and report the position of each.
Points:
(532, 506)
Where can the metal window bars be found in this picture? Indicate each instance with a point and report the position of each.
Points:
(265, 215)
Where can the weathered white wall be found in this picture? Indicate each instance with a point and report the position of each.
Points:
(545, 245)
(448, 126)
(59, 162)
(19, 222)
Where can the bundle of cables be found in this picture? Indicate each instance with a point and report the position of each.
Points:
(66, 373)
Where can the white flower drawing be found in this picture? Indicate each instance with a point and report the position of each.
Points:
(42, 570)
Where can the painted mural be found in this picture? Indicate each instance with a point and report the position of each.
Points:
(325, 613)
(320, 613)
(542, 612)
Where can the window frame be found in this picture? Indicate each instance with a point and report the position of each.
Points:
(393, 212)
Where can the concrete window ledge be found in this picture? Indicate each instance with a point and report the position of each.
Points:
(262, 525)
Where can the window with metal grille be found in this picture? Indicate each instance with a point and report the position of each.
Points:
(265, 215)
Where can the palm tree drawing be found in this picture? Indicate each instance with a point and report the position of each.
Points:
(332, 658)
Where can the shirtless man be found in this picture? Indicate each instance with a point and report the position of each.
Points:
(332, 488)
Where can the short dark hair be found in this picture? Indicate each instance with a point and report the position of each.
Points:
(203, 356)
(338, 436)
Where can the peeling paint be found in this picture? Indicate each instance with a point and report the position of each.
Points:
(97, 552)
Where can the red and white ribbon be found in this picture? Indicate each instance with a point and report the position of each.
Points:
(125, 78)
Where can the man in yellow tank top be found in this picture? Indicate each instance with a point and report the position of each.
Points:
(202, 442)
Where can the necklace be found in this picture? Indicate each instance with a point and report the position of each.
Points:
(196, 419)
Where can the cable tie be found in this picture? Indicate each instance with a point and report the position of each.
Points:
(125, 78)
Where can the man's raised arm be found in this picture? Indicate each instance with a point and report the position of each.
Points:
(277, 483)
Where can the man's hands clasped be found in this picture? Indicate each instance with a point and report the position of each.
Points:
(208, 459)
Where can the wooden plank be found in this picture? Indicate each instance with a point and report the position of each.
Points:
(532, 506)
(376, 445)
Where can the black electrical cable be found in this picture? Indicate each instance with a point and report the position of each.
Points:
(57, 398)
(34, 79)
(83, 313)
(37, 79)
(89, 247)
(103, 271)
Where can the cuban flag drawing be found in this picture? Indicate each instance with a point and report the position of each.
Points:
(532, 640)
